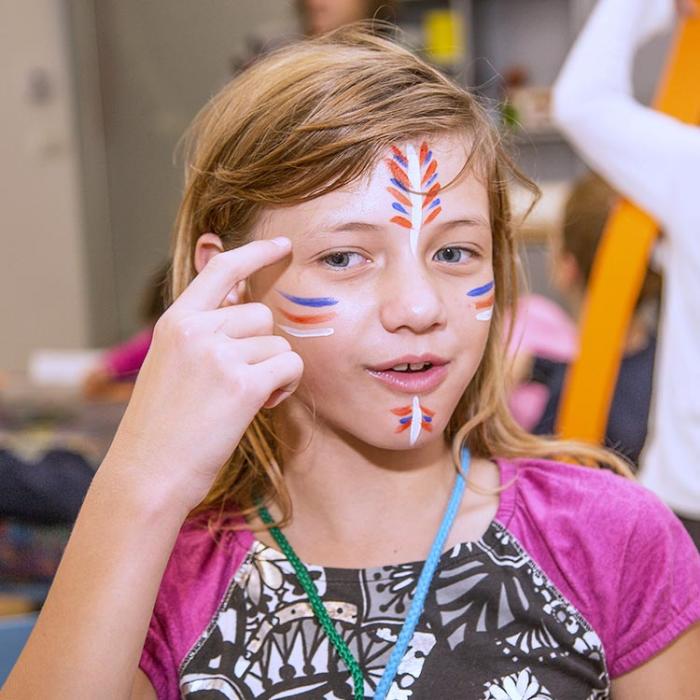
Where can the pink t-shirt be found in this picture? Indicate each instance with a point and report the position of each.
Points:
(126, 359)
(579, 563)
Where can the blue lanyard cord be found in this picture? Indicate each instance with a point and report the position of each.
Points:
(424, 581)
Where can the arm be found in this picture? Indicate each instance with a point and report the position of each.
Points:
(646, 155)
(673, 673)
(168, 450)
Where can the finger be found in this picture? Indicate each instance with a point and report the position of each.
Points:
(279, 372)
(242, 321)
(255, 350)
(224, 271)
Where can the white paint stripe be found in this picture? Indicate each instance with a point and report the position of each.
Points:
(414, 178)
(485, 315)
(306, 332)
(416, 420)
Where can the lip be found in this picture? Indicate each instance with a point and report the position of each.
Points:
(416, 383)
(408, 360)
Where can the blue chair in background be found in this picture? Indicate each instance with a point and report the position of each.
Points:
(14, 632)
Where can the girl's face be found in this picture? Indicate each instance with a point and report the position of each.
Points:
(388, 294)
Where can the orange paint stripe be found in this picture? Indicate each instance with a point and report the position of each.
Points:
(431, 194)
(484, 304)
(401, 221)
(316, 318)
(399, 196)
(432, 215)
(427, 426)
(429, 172)
(403, 411)
(427, 411)
(403, 427)
(423, 152)
(397, 152)
(399, 174)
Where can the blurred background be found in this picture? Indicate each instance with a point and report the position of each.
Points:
(95, 96)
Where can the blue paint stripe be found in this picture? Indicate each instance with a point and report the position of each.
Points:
(401, 161)
(398, 184)
(405, 420)
(428, 158)
(398, 207)
(431, 181)
(478, 291)
(435, 203)
(427, 419)
(309, 301)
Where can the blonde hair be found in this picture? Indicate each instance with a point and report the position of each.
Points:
(305, 121)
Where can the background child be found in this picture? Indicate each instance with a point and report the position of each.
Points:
(585, 216)
(387, 292)
(652, 159)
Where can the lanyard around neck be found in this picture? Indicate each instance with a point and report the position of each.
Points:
(415, 610)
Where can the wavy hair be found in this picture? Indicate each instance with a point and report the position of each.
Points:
(307, 120)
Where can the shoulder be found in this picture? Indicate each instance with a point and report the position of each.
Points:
(203, 563)
(612, 548)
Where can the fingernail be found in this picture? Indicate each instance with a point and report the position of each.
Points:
(281, 241)
(276, 402)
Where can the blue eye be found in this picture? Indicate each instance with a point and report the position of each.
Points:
(453, 254)
(342, 260)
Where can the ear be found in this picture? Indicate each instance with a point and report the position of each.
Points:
(208, 245)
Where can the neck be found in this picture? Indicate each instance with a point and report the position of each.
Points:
(355, 506)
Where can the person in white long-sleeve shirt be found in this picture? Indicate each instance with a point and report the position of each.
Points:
(654, 160)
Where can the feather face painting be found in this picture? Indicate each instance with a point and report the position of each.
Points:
(308, 323)
(415, 418)
(482, 300)
(414, 189)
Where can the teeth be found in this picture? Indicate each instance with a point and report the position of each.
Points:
(414, 367)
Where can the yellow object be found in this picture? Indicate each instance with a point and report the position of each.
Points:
(620, 267)
(444, 36)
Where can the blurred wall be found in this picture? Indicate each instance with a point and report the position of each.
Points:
(158, 63)
(42, 282)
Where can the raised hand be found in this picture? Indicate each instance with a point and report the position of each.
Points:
(211, 367)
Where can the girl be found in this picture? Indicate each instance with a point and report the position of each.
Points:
(390, 281)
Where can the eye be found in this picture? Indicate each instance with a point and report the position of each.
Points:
(342, 260)
(454, 254)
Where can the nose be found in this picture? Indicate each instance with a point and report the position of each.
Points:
(409, 299)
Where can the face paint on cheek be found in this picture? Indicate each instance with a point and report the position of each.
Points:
(484, 298)
(415, 418)
(301, 320)
(413, 173)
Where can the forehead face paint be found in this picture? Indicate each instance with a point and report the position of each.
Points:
(415, 417)
(302, 321)
(483, 301)
(413, 173)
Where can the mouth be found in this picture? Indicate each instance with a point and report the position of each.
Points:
(411, 374)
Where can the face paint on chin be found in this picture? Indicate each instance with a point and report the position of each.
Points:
(483, 306)
(307, 319)
(411, 174)
(415, 418)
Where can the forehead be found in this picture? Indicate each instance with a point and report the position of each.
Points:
(370, 198)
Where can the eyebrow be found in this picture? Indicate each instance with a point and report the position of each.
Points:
(476, 221)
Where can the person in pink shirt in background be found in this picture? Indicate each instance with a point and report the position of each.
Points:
(113, 377)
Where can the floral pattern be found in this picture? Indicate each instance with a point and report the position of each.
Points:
(494, 628)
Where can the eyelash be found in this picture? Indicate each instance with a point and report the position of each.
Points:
(472, 253)
(348, 253)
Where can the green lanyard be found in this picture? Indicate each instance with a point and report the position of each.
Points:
(317, 605)
(415, 611)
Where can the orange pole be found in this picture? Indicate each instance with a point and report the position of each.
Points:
(620, 267)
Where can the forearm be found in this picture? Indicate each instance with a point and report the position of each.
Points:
(89, 635)
(640, 151)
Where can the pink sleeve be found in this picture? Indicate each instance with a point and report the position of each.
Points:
(659, 587)
(128, 357)
(614, 550)
(195, 582)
